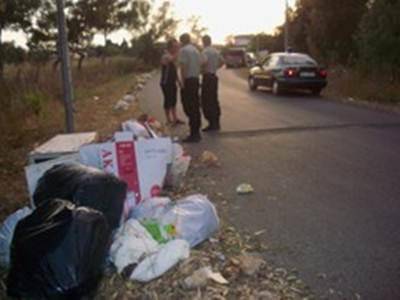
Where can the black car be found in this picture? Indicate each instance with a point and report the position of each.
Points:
(284, 71)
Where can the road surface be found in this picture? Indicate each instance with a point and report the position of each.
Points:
(327, 185)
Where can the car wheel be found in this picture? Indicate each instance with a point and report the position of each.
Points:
(252, 83)
(276, 89)
(316, 91)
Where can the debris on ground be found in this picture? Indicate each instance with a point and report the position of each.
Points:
(244, 189)
(58, 250)
(194, 218)
(121, 105)
(129, 98)
(179, 248)
(7, 234)
(201, 276)
(250, 264)
(209, 159)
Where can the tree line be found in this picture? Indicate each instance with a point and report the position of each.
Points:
(85, 18)
(363, 33)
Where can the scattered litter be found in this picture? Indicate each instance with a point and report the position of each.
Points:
(84, 186)
(194, 218)
(244, 189)
(179, 167)
(96, 98)
(121, 105)
(131, 243)
(160, 262)
(57, 251)
(129, 98)
(210, 159)
(138, 130)
(250, 264)
(153, 235)
(200, 278)
(212, 240)
(140, 86)
(7, 233)
(134, 245)
(260, 232)
(267, 295)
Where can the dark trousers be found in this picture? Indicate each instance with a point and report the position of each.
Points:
(191, 104)
(209, 99)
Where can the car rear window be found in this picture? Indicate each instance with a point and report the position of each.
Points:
(297, 60)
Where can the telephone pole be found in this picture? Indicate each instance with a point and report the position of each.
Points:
(63, 54)
(286, 38)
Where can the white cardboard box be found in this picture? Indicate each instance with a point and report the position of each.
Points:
(61, 144)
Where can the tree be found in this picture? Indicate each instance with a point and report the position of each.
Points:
(151, 29)
(107, 15)
(263, 41)
(15, 14)
(196, 29)
(326, 28)
(84, 18)
(378, 38)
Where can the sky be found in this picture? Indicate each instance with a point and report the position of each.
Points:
(221, 17)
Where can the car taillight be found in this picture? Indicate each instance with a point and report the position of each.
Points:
(323, 73)
(290, 72)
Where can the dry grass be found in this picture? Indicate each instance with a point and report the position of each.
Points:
(348, 83)
(23, 125)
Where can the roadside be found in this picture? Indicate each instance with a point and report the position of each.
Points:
(94, 112)
(318, 168)
(351, 88)
(237, 255)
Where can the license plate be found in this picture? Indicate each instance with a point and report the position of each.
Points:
(307, 74)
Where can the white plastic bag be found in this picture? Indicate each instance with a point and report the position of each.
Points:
(158, 263)
(195, 218)
(179, 167)
(153, 208)
(136, 128)
(7, 232)
(131, 243)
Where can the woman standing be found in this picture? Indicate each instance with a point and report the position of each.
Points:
(169, 81)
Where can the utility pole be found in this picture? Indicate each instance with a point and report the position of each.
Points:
(286, 45)
(63, 54)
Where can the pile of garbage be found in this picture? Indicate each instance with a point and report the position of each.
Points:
(100, 209)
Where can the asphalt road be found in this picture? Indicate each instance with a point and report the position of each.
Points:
(327, 185)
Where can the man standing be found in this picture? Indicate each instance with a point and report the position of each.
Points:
(190, 62)
(209, 95)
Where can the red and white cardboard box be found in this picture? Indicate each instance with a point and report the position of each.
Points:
(142, 164)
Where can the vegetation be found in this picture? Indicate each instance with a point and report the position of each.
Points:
(360, 36)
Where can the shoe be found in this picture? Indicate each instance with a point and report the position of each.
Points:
(211, 128)
(192, 139)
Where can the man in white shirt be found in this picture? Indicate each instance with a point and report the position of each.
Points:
(190, 62)
(209, 92)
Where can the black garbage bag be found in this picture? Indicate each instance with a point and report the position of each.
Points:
(58, 252)
(84, 186)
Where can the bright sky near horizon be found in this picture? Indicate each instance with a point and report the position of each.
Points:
(221, 17)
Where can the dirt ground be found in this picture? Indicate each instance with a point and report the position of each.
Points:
(91, 115)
